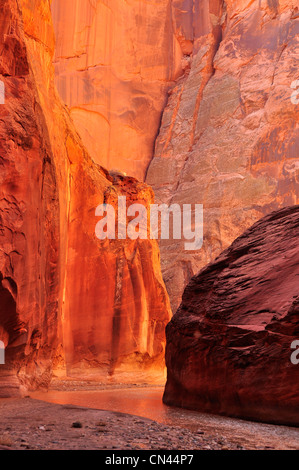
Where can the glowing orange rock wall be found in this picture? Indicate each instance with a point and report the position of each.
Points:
(29, 208)
(114, 63)
(67, 300)
(229, 134)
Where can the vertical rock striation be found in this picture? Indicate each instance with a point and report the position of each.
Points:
(212, 79)
(229, 134)
(67, 300)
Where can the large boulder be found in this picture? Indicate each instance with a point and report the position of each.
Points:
(229, 344)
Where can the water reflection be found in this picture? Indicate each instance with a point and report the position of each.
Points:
(147, 403)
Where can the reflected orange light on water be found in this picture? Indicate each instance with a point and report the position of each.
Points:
(147, 403)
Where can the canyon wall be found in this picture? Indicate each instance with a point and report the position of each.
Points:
(68, 301)
(229, 134)
(29, 210)
(195, 95)
(213, 79)
(114, 63)
(229, 344)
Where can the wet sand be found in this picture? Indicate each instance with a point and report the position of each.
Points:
(90, 415)
(146, 402)
(36, 425)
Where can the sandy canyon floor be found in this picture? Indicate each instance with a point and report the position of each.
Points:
(55, 420)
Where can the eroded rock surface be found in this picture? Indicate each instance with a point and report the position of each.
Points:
(229, 133)
(229, 344)
(212, 79)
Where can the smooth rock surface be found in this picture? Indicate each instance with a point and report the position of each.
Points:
(229, 344)
(114, 63)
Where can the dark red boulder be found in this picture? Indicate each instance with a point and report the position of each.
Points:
(229, 344)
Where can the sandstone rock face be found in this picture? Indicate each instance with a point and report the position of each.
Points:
(116, 305)
(67, 300)
(229, 344)
(220, 75)
(29, 211)
(229, 134)
(114, 63)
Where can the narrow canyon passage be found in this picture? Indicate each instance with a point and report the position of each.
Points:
(197, 99)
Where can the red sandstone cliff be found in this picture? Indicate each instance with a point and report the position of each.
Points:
(67, 300)
(228, 139)
(114, 63)
(227, 131)
(229, 344)
(229, 134)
